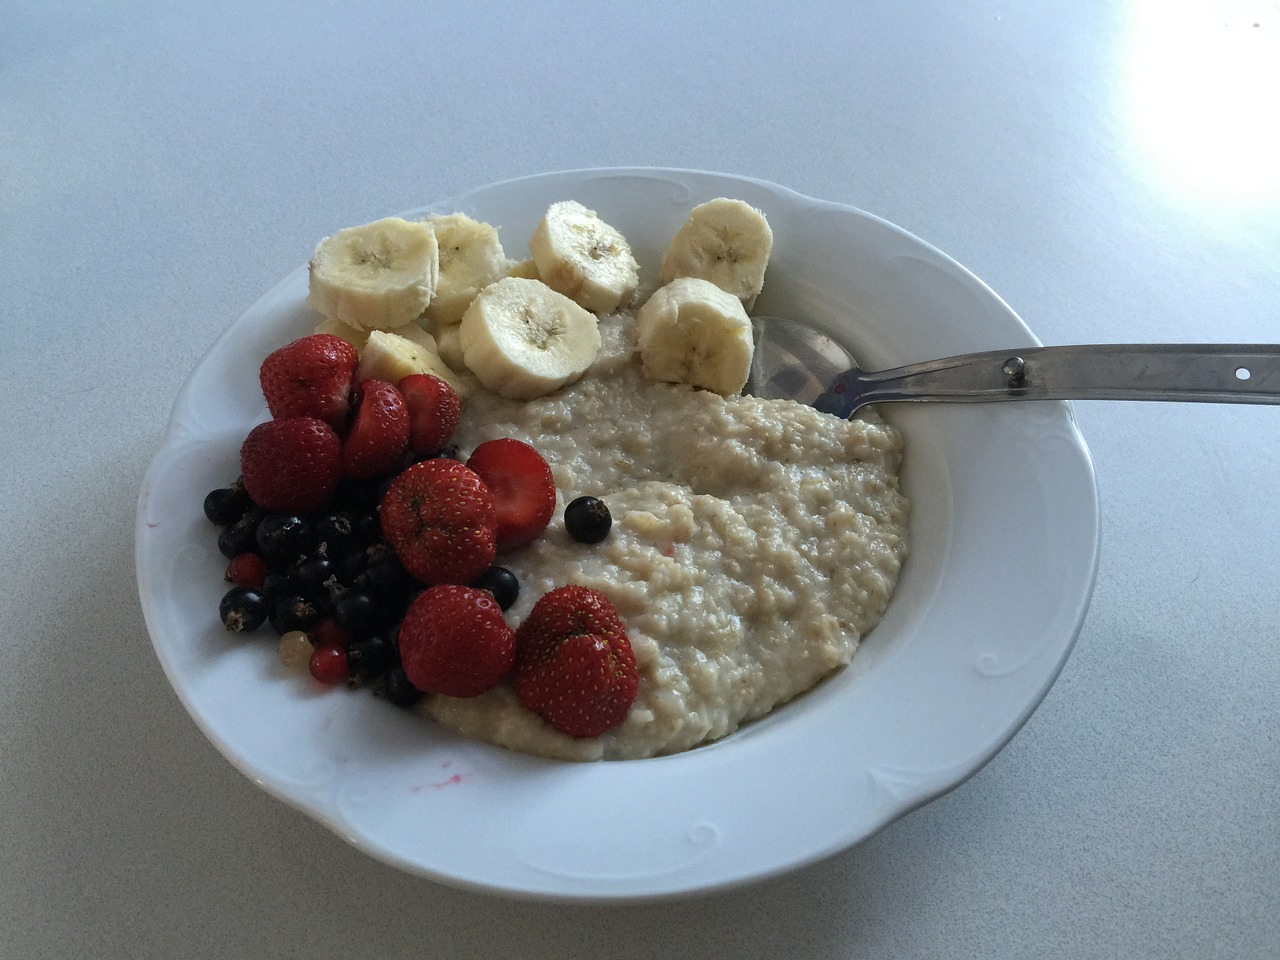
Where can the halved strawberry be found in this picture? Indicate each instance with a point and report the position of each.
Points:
(438, 517)
(574, 663)
(524, 492)
(434, 409)
(310, 377)
(293, 463)
(379, 434)
(454, 640)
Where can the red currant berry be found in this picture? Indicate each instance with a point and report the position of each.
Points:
(246, 570)
(326, 632)
(329, 663)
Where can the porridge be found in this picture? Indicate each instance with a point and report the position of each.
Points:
(754, 543)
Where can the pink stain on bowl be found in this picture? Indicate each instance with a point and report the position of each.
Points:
(451, 780)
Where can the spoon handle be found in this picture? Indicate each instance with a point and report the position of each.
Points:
(1221, 373)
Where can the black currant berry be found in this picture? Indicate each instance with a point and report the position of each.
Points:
(283, 538)
(388, 577)
(242, 609)
(370, 657)
(277, 584)
(502, 583)
(350, 564)
(310, 574)
(292, 613)
(334, 531)
(356, 611)
(398, 689)
(587, 520)
(368, 525)
(226, 505)
(240, 537)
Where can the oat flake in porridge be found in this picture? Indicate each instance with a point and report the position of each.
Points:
(754, 543)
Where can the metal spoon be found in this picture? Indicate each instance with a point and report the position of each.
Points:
(796, 362)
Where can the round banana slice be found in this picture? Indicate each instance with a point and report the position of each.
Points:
(579, 255)
(524, 340)
(471, 258)
(725, 241)
(376, 276)
(691, 331)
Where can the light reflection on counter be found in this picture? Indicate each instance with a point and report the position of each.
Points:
(1204, 96)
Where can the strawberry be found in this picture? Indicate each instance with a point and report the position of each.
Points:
(454, 640)
(310, 377)
(379, 434)
(438, 517)
(291, 464)
(524, 492)
(574, 663)
(434, 409)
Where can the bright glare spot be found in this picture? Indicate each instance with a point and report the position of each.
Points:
(1205, 88)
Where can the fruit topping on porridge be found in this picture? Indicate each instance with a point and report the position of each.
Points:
(528, 499)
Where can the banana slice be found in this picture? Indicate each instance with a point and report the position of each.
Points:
(359, 337)
(356, 336)
(524, 340)
(471, 258)
(391, 357)
(523, 268)
(449, 346)
(691, 331)
(411, 331)
(579, 255)
(725, 241)
(376, 276)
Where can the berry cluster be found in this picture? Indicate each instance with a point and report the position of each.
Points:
(329, 575)
(369, 548)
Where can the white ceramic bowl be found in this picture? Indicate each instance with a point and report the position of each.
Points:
(1004, 540)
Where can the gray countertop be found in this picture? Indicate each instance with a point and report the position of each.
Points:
(1112, 170)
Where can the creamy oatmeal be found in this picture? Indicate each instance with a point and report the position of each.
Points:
(754, 543)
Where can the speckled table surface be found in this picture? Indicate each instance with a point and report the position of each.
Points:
(1111, 170)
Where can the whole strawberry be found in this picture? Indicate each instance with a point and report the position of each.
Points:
(379, 434)
(291, 464)
(439, 519)
(434, 410)
(310, 377)
(453, 640)
(524, 492)
(574, 663)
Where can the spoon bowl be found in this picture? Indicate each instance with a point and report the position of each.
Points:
(793, 361)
